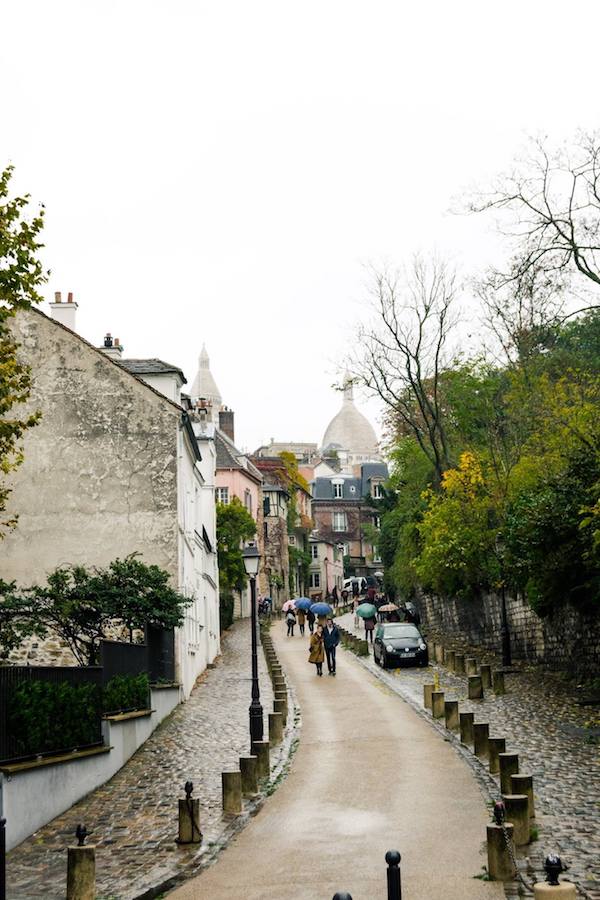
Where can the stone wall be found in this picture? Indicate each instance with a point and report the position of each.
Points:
(566, 639)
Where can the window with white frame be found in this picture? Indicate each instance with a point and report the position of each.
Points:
(315, 580)
(377, 521)
(377, 491)
(314, 551)
(222, 495)
(248, 500)
(376, 555)
(339, 521)
(338, 490)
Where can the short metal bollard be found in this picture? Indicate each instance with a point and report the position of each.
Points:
(394, 887)
(342, 895)
(2, 859)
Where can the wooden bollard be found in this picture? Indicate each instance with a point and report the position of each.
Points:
(449, 659)
(427, 691)
(496, 746)
(231, 783)
(498, 683)
(437, 704)
(459, 663)
(500, 867)
(189, 821)
(451, 714)
(81, 873)
(509, 765)
(439, 653)
(481, 736)
(465, 720)
(486, 676)
(523, 784)
(475, 687)
(248, 769)
(279, 683)
(471, 665)
(517, 813)
(280, 706)
(275, 728)
(261, 749)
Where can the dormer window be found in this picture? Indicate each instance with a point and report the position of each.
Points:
(338, 490)
(377, 491)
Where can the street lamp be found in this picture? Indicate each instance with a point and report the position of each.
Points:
(251, 558)
(504, 632)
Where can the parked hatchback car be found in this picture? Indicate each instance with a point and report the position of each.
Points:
(398, 643)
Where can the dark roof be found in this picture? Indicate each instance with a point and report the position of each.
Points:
(372, 472)
(151, 367)
(228, 456)
(353, 489)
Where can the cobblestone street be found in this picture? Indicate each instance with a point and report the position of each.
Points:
(541, 721)
(134, 816)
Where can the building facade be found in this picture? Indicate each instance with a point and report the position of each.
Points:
(326, 573)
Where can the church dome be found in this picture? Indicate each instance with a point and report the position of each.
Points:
(350, 430)
(204, 385)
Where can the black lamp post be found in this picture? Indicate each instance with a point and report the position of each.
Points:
(251, 558)
(504, 632)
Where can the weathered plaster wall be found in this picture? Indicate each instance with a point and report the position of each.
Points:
(99, 476)
(567, 639)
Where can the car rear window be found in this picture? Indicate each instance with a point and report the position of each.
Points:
(400, 631)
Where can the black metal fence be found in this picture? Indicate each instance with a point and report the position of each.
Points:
(49, 709)
(161, 653)
(117, 658)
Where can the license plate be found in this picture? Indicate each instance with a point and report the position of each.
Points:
(409, 654)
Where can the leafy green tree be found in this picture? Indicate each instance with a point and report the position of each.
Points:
(21, 275)
(234, 526)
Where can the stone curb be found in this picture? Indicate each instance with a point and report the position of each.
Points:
(207, 856)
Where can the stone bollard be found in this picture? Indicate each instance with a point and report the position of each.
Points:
(189, 818)
(523, 784)
(427, 691)
(500, 867)
(459, 663)
(509, 765)
(465, 720)
(449, 659)
(279, 683)
(517, 813)
(498, 683)
(562, 891)
(471, 665)
(81, 873)
(275, 728)
(261, 749)
(280, 706)
(248, 769)
(486, 676)
(439, 654)
(451, 714)
(363, 648)
(232, 792)
(475, 687)
(496, 746)
(481, 736)
(437, 704)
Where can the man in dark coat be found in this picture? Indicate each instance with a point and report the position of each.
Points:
(331, 638)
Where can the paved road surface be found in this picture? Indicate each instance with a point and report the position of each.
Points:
(369, 775)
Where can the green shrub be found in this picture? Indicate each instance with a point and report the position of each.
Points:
(226, 610)
(45, 716)
(125, 693)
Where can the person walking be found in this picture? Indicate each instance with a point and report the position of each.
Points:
(290, 618)
(369, 628)
(317, 652)
(331, 638)
(301, 620)
(310, 618)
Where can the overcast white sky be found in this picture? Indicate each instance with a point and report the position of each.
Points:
(222, 171)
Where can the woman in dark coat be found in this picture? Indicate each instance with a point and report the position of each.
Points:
(317, 650)
(310, 618)
(369, 627)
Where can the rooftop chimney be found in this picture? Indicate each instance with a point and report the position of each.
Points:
(65, 313)
(112, 347)
(226, 423)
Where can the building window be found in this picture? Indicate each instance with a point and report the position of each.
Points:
(267, 506)
(338, 490)
(291, 538)
(377, 521)
(315, 580)
(248, 500)
(377, 491)
(222, 495)
(339, 521)
(346, 549)
(314, 551)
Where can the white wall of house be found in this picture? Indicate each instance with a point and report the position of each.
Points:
(326, 562)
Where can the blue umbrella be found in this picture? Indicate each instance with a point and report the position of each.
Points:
(302, 603)
(321, 609)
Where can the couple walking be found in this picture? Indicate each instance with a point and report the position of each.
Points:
(323, 643)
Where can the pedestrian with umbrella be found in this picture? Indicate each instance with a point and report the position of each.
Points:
(302, 604)
(368, 613)
(317, 650)
(321, 610)
(310, 618)
(290, 618)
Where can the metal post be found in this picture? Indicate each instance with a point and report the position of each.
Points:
(342, 895)
(256, 710)
(2, 859)
(394, 888)
(505, 633)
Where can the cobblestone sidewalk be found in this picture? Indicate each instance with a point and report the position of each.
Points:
(134, 815)
(542, 722)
